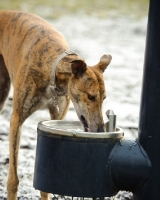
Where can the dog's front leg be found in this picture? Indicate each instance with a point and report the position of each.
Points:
(24, 104)
(45, 196)
(14, 138)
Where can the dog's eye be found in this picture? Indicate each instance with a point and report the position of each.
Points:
(91, 97)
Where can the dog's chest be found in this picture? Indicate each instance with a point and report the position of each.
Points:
(45, 103)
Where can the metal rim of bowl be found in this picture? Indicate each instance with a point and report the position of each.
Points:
(51, 127)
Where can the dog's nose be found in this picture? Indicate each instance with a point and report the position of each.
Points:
(100, 128)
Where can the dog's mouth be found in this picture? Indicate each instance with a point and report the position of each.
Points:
(85, 124)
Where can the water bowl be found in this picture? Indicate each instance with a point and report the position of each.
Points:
(71, 162)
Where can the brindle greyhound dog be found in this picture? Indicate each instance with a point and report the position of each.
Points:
(36, 58)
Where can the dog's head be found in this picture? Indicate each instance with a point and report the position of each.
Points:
(86, 89)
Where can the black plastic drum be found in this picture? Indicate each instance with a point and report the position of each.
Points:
(71, 162)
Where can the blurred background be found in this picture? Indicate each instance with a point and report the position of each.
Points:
(92, 28)
(53, 9)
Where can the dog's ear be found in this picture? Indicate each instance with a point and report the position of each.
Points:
(72, 65)
(104, 62)
(78, 68)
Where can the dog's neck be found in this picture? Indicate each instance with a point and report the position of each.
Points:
(55, 90)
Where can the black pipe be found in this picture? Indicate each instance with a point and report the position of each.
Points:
(149, 124)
